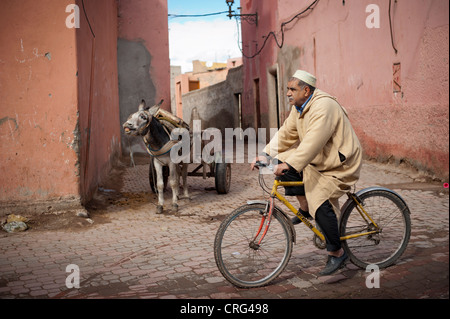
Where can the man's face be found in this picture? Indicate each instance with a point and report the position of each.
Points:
(296, 95)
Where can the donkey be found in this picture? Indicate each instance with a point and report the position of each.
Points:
(158, 142)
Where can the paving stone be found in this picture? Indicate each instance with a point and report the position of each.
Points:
(170, 256)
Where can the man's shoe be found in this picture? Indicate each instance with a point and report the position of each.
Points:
(295, 220)
(333, 264)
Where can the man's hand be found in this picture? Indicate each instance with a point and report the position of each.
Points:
(258, 159)
(280, 169)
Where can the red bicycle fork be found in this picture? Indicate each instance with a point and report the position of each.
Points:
(267, 216)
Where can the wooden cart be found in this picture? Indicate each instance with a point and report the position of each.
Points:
(221, 172)
(218, 169)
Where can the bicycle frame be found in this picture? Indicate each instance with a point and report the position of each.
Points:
(275, 194)
(282, 199)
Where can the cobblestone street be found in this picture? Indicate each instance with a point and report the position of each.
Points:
(126, 250)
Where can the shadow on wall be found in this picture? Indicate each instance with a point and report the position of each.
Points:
(135, 84)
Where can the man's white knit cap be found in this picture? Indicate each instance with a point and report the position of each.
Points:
(305, 77)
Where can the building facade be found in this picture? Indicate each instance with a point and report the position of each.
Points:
(64, 91)
(143, 60)
(203, 74)
(385, 61)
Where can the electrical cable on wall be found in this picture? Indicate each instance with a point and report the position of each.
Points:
(91, 94)
(272, 33)
(87, 18)
(390, 26)
(195, 15)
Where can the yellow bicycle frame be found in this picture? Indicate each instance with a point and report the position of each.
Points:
(365, 216)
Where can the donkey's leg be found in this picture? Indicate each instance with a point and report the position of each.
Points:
(174, 184)
(184, 173)
(160, 186)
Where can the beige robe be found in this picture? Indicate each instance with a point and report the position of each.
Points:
(324, 131)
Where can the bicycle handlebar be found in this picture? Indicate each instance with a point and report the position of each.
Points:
(259, 164)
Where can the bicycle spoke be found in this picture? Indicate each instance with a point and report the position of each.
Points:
(392, 234)
(239, 256)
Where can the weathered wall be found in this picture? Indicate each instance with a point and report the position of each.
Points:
(174, 72)
(355, 63)
(44, 92)
(143, 59)
(216, 105)
(98, 101)
(38, 113)
(255, 73)
(187, 82)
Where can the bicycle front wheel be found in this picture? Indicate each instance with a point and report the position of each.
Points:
(391, 215)
(244, 261)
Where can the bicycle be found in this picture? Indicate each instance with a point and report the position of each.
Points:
(254, 243)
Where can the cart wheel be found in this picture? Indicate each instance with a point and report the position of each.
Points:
(153, 179)
(222, 177)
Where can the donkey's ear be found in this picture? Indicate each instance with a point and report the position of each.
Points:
(154, 109)
(142, 106)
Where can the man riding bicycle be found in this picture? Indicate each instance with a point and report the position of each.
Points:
(328, 158)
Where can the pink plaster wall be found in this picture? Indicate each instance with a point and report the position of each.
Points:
(143, 60)
(143, 20)
(355, 64)
(256, 68)
(47, 96)
(38, 94)
(98, 101)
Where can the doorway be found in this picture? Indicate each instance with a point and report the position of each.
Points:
(257, 104)
(275, 119)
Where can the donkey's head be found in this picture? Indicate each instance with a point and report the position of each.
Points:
(137, 123)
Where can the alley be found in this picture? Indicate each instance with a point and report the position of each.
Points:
(126, 250)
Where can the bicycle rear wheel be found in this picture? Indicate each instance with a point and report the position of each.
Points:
(245, 262)
(392, 216)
